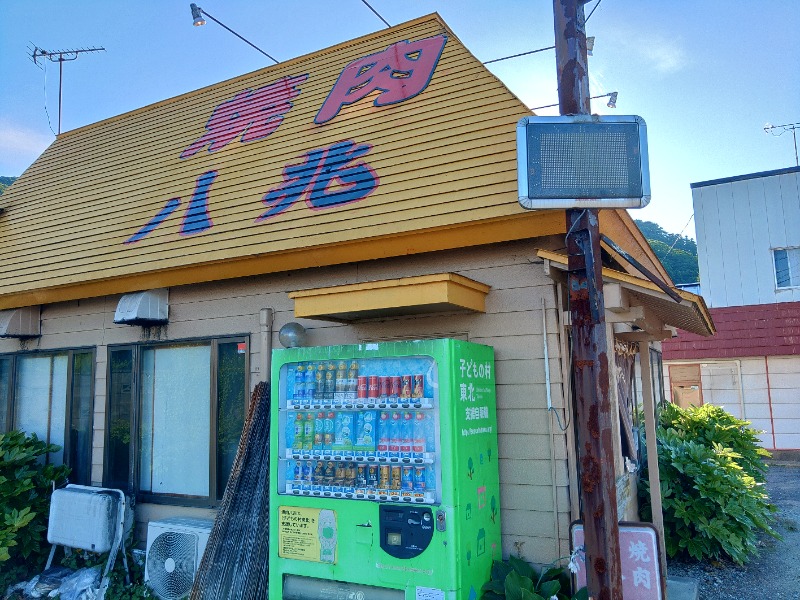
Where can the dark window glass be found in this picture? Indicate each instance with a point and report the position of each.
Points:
(5, 393)
(120, 402)
(231, 382)
(80, 421)
(782, 274)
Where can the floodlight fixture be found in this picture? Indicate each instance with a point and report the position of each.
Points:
(198, 20)
(612, 101)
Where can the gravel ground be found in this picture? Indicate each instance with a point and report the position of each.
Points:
(775, 573)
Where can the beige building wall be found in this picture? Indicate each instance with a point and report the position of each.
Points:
(533, 460)
(762, 390)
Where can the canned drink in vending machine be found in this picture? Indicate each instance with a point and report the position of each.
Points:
(384, 480)
(397, 477)
(396, 387)
(307, 469)
(385, 386)
(418, 391)
(372, 477)
(362, 387)
(405, 386)
(373, 389)
(420, 479)
(407, 481)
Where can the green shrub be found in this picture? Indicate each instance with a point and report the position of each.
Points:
(515, 579)
(712, 490)
(25, 485)
(709, 425)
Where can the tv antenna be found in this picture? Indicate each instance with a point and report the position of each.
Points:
(59, 56)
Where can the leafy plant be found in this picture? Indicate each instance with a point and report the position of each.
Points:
(712, 492)
(25, 484)
(515, 579)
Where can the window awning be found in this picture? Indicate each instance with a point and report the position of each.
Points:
(443, 292)
(634, 299)
(21, 322)
(143, 308)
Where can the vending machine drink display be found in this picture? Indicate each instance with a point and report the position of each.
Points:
(384, 478)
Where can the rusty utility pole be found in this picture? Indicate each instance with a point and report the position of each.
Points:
(589, 348)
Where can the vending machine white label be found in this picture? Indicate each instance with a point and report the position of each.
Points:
(426, 593)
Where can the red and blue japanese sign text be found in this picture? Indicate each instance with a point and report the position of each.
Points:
(325, 178)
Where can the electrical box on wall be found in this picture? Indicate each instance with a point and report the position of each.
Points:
(582, 161)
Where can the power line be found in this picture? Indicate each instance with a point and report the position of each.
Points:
(677, 237)
(592, 11)
(377, 14)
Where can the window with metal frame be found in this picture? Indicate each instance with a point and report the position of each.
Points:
(51, 394)
(787, 267)
(174, 418)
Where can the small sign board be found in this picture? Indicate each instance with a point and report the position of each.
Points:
(638, 552)
(582, 161)
(307, 534)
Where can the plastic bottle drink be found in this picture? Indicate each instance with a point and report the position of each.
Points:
(352, 379)
(419, 443)
(319, 432)
(383, 435)
(406, 433)
(299, 428)
(327, 438)
(394, 434)
(330, 381)
(308, 433)
(311, 382)
(341, 377)
(319, 382)
(299, 382)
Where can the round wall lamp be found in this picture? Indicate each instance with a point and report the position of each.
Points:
(292, 335)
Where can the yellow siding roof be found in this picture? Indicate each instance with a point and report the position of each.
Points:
(443, 160)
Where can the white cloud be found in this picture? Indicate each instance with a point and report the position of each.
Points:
(19, 147)
(665, 56)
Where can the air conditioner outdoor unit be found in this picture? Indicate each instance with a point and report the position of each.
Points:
(174, 549)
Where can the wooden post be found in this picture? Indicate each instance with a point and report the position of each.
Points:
(589, 343)
(653, 475)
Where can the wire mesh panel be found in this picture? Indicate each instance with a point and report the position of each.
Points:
(582, 161)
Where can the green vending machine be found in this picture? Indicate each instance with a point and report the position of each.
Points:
(384, 477)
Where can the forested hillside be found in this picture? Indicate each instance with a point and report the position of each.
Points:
(5, 182)
(681, 261)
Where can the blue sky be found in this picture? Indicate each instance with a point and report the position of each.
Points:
(705, 75)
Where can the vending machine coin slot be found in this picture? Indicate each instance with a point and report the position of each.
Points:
(405, 531)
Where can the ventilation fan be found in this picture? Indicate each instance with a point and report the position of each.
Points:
(174, 550)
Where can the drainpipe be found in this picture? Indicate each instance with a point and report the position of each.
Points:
(266, 319)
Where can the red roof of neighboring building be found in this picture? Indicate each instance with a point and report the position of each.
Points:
(754, 330)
